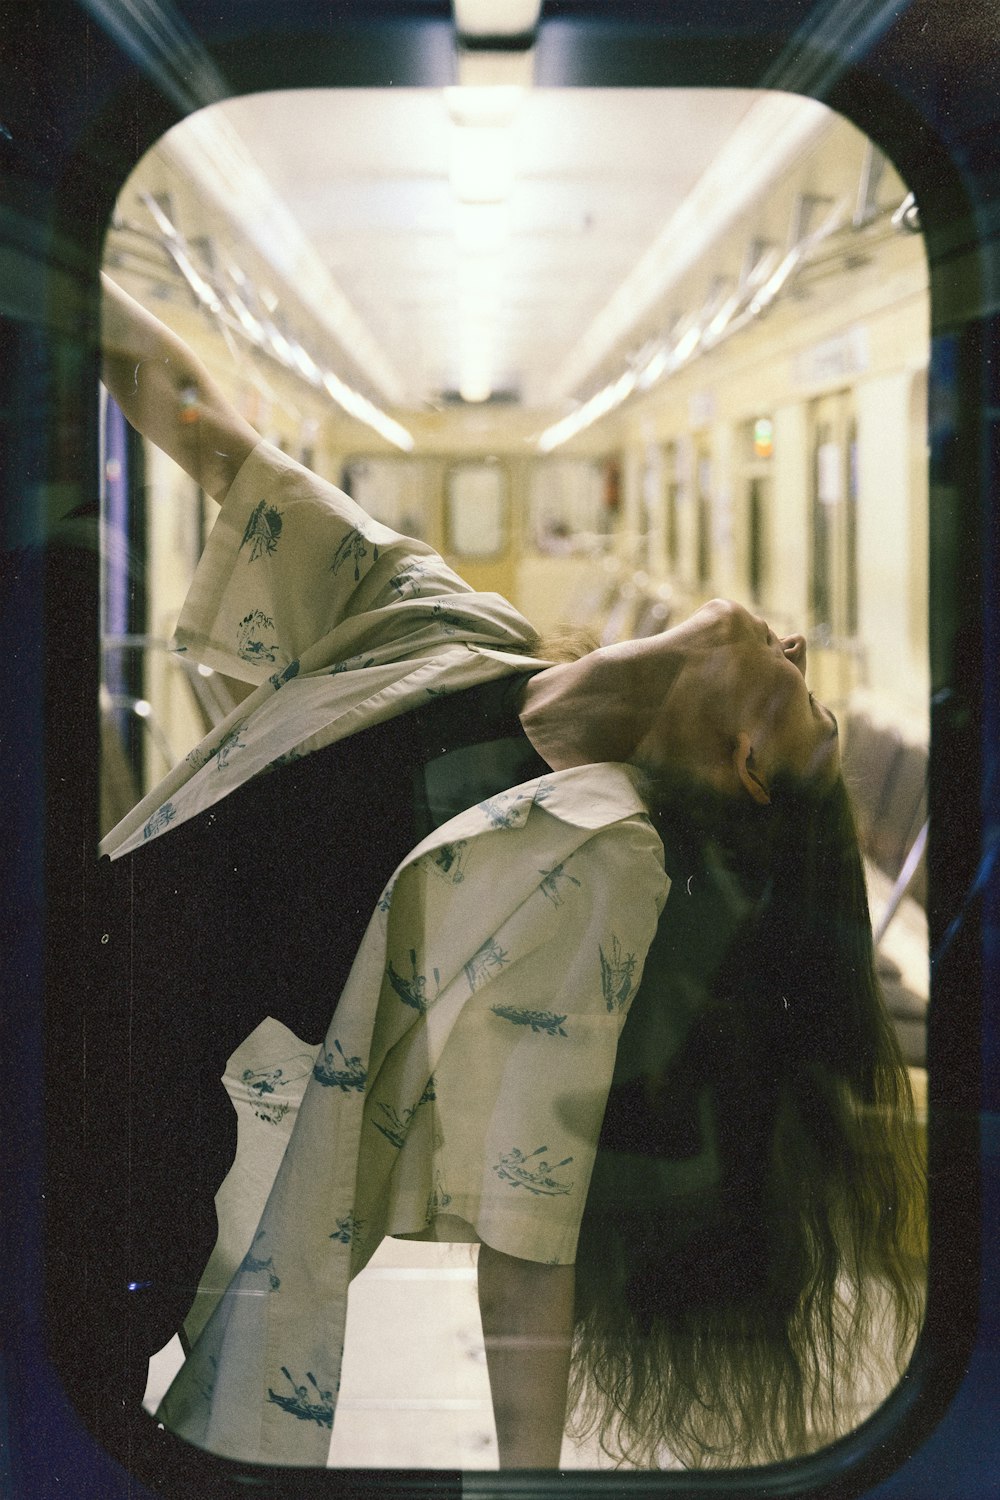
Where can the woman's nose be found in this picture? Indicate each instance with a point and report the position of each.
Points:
(794, 647)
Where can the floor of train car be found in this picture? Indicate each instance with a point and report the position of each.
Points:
(415, 1391)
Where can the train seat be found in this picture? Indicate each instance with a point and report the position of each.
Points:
(887, 778)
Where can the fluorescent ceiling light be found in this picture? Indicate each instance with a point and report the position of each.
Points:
(495, 70)
(482, 106)
(722, 318)
(478, 312)
(653, 369)
(777, 279)
(481, 228)
(475, 388)
(365, 411)
(605, 400)
(687, 345)
(474, 18)
(251, 326)
(479, 275)
(482, 163)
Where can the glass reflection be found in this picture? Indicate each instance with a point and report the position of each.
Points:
(505, 874)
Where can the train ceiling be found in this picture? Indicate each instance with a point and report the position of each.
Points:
(477, 258)
(477, 255)
(489, 241)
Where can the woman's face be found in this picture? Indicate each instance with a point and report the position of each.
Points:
(763, 677)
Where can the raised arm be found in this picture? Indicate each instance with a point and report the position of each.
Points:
(168, 395)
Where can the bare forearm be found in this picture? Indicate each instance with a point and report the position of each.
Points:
(167, 394)
(527, 1313)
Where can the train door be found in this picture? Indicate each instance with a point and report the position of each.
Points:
(833, 575)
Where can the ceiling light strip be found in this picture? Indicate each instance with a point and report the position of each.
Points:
(266, 336)
(775, 132)
(208, 149)
(665, 359)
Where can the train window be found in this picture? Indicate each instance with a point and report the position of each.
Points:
(834, 570)
(747, 422)
(752, 473)
(391, 490)
(476, 509)
(672, 504)
(758, 450)
(704, 518)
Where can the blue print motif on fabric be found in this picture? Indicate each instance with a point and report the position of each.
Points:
(226, 746)
(353, 548)
(352, 664)
(553, 881)
(485, 963)
(263, 531)
(538, 1020)
(395, 1126)
(385, 900)
(263, 1085)
(254, 1264)
(278, 679)
(617, 973)
(406, 581)
(503, 811)
(255, 638)
(448, 862)
(449, 621)
(340, 1071)
(220, 752)
(412, 991)
(533, 1174)
(308, 1405)
(162, 816)
(287, 758)
(438, 1200)
(348, 1229)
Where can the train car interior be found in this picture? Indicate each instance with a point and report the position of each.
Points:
(753, 391)
(621, 309)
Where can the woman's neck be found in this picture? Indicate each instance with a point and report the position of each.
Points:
(609, 705)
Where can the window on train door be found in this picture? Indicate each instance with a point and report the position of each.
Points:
(703, 516)
(671, 504)
(834, 564)
(758, 450)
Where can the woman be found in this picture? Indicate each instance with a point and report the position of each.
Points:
(514, 883)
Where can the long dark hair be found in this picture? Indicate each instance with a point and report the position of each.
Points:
(749, 1265)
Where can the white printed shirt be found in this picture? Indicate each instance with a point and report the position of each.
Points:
(465, 1071)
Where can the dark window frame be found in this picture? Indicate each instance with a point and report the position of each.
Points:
(65, 155)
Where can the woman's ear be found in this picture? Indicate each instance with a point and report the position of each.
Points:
(750, 778)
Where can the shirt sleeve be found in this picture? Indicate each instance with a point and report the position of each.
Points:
(289, 559)
(512, 964)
